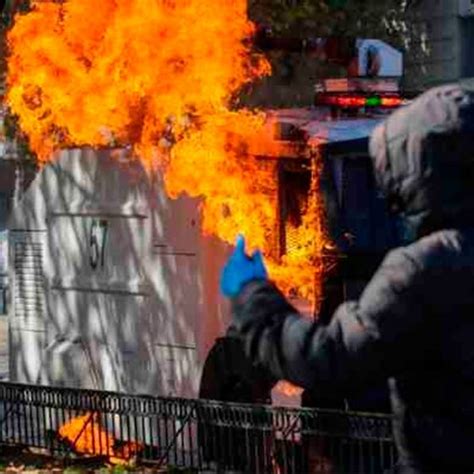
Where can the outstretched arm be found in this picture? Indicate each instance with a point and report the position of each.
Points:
(366, 340)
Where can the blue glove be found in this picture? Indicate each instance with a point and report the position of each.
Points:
(241, 269)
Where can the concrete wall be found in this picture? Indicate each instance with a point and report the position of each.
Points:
(438, 44)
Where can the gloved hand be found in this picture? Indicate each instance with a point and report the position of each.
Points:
(241, 269)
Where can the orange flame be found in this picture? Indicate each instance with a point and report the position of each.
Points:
(288, 389)
(87, 72)
(88, 438)
(161, 75)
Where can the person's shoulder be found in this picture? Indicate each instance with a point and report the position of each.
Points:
(447, 247)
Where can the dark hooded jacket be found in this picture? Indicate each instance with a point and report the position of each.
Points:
(414, 323)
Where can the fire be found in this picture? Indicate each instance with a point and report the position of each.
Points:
(162, 76)
(124, 71)
(87, 437)
(288, 389)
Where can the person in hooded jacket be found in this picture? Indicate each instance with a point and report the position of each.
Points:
(414, 322)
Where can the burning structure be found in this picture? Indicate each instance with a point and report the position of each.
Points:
(116, 248)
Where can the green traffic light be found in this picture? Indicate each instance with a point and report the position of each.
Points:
(373, 102)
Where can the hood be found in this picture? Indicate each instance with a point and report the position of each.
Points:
(423, 158)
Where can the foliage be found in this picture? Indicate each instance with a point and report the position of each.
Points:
(294, 73)
(382, 19)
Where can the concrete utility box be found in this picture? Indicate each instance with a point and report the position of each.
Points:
(113, 285)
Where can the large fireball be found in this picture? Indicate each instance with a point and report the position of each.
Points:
(161, 76)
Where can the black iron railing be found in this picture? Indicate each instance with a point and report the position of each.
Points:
(197, 434)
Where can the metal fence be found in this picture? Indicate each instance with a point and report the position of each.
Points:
(199, 435)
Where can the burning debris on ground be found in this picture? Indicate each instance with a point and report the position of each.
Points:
(16, 460)
(84, 435)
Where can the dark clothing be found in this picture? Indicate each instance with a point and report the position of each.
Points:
(414, 323)
(423, 159)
